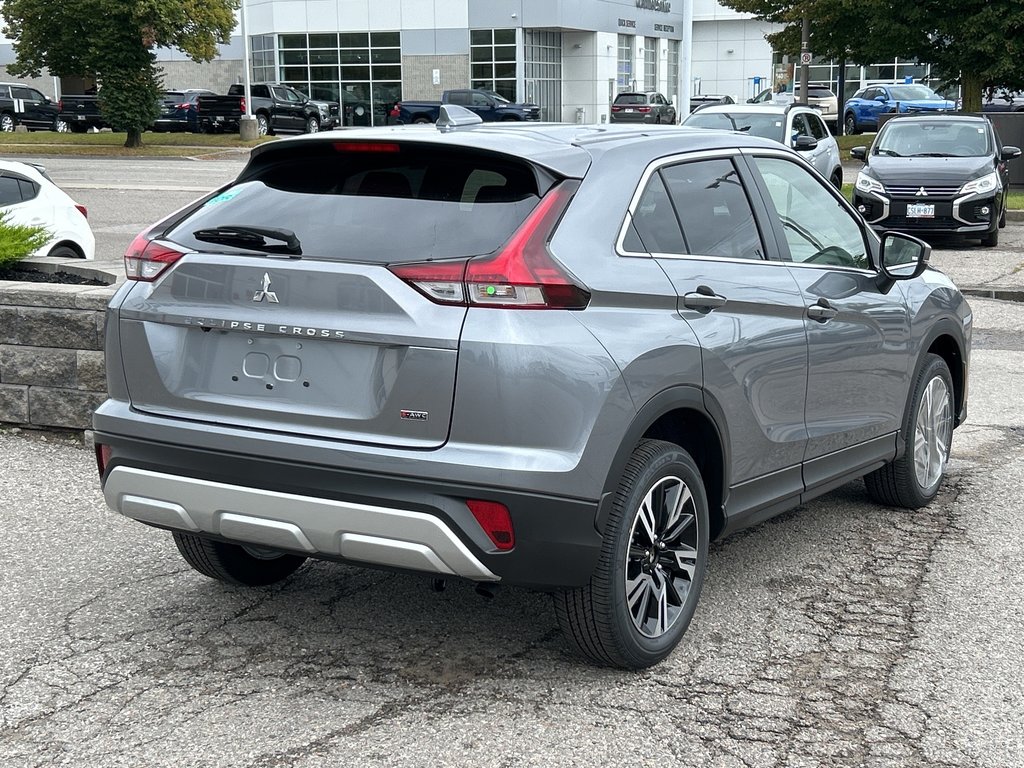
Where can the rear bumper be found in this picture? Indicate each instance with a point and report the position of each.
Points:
(365, 518)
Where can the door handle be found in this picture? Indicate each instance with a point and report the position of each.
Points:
(822, 311)
(704, 299)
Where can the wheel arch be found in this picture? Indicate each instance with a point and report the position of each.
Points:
(945, 343)
(68, 244)
(680, 415)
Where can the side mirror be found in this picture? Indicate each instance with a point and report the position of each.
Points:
(860, 153)
(805, 143)
(1009, 153)
(881, 99)
(902, 257)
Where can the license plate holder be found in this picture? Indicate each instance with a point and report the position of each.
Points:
(921, 211)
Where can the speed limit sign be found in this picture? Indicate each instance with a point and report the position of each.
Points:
(805, 57)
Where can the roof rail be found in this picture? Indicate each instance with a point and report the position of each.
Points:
(452, 116)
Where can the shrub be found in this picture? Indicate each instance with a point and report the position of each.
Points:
(18, 241)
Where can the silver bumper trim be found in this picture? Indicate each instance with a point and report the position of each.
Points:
(361, 532)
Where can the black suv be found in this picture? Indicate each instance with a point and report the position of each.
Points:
(21, 105)
(936, 174)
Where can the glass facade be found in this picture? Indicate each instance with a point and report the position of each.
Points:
(493, 61)
(826, 72)
(543, 71)
(624, 79)
(650, 63)
(361, 70)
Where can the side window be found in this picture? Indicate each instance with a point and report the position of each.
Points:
(480, 100)
(10, 190)
(655, 222)
(869, 94)
(280, 94)
(21, 93)
(800, 127)
(35, 95)
(713, 209)
(818, 229)
(29, 189)
(818, 129)
(5, 91)
(458, 97)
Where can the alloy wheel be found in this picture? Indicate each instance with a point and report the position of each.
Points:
(932, 433)
(61, 127)
(7, 124)
(662, 557)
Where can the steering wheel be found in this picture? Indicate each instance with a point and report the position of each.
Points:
(833, 255)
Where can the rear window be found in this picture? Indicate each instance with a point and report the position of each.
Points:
(819, 93)
(631, 98)
(407, 203)
(768, 125)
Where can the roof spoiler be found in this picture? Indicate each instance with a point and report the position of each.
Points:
(452, 116)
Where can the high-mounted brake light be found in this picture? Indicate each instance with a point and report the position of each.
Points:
(521, 275)
(496, 521)
(366, 146)
(147, 259)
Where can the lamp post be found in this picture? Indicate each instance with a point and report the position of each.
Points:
(247, 126)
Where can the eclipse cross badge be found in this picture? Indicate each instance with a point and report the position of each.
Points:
(265, 292)
(922, 192)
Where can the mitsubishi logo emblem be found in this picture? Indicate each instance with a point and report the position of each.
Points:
(265, 292)
(922, 192)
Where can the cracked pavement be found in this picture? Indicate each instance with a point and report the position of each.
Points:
(839, 634)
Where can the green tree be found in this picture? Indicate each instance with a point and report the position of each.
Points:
(977, 44)
(115, 41)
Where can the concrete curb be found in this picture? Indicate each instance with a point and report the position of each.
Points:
(1002, 294)
(1015, 215)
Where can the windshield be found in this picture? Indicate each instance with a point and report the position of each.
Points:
(393, 203)
(913, 93)
(934, 138)
(764, 124)
(497, 97)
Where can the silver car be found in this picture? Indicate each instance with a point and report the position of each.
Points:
(559, 357)
(801, 128)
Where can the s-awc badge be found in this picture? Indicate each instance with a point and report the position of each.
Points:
(414, 415)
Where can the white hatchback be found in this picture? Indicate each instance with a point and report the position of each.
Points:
(795, 126)
(29, 197)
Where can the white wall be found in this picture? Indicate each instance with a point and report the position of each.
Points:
(586, 72)
(727, 54)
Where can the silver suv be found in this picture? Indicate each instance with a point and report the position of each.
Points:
(557, 357)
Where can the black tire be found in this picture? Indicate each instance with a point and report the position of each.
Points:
(599, 620)
(1002, 219)
(64, 252)
(990, 239)
(850, 124)
(312, 125)
(510, 119)
(233, 563)
(421, 120)
(76, 128)
(898, 483)
(837, 178)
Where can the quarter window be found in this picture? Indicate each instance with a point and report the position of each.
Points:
(655, 221)
(818, 229)
(10, 191)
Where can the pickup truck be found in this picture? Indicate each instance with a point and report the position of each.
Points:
(492, 107)
(80, 113)
(275, 107)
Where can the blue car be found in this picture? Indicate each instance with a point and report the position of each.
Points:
(861, 111)
(178, 110)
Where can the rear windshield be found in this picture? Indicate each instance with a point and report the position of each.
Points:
(768, 125)
(819, 93)
(631, 98)
(403, 202)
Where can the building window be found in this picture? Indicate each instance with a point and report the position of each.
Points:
(361, 70)
(542, 66)
(493, 56)
(650, 63)
(674, 56)
(624, 79)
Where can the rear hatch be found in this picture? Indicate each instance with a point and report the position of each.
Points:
(329, 342)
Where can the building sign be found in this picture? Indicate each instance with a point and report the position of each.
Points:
(664, 28)
(629, 23)
(655, 5)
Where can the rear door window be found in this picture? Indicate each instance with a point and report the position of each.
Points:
(399, 202)
(10, 191)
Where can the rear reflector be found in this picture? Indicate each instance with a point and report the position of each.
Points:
(102, 457)
(147, 259)
(496, 522)
(82, 210)
(521, 275)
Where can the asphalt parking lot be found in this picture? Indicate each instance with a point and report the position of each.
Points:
(839, 634)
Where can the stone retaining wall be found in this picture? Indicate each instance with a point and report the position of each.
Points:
(51, 351)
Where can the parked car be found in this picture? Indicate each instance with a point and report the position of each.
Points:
(1003, 101)
(642, 108)
(936, 174)
(801, 128)
(570, 357)
(861, 111)
(818, 97)
(22, 105)
(707, 100)
(29, 197)
(490, 106)
(275, 107)
(81, 112)
(178, 110)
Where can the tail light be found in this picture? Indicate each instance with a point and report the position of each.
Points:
(616, 109)
(82, 210)
(241, 105)
(60, 105)
(521, 275)
(103, 454)
(644, 110)
(184, 105)
(496, 521)
(146, 259)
